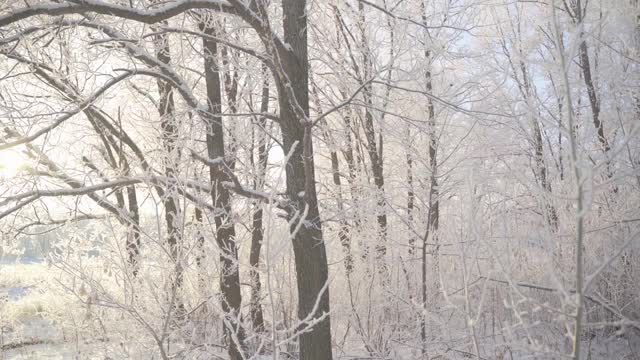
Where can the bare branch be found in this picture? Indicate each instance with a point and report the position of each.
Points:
(68, 115)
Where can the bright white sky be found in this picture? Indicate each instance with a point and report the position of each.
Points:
(10, 163)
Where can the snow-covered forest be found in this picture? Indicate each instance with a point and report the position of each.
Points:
(320, 179)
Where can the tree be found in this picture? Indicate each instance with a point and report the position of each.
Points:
(288, 61)
(203, 165)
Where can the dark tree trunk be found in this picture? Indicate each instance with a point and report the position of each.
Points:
(585, 65)
(169, 134)
(133, 239)
(225, 229)
(120, 163)
(541, 171)
(347, 152)
(433, 217)
(257, 231)
(200, 252)
(374, 149)
(351, 166)
(343, 230)
(594, 101)
(308, 244)
(257, 236)
(410, 191)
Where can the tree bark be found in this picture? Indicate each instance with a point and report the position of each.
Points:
(594, 101)
(133, 239)
(169, 134)
(374, 149)
(433, 217)
(257, 231)
(541, 168)
(410, 191)
(225, 229)
(200, 251)
(343, 230)
(308, 244)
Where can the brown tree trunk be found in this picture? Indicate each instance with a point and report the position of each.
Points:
(374, 149)
(541, 171)
(594, 101)
(351, 166)
(225, 229)
(133, 238)
(200, 252)
(347, 152)
(410, 192)
(308, 243)
(433, 217)
(169, 134)
(343, 230)
(257, 231)
(257, 237)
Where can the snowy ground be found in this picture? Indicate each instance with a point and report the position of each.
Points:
(24, 310)
(41, 321)
(32, 313)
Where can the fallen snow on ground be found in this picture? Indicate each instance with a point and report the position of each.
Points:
(41, 321)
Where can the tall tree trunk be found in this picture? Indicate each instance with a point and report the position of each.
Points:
(257, 231)
(231, 91)
(410, 191)
(551, 214)
(343, 230)
(220, 196)
(200, 252)
(257, 237)
(433, 217)
(347, 151)
(308, 243)
(374, 149)
(133, 238)
(169, 134)
(594, 101)
(112, 147)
